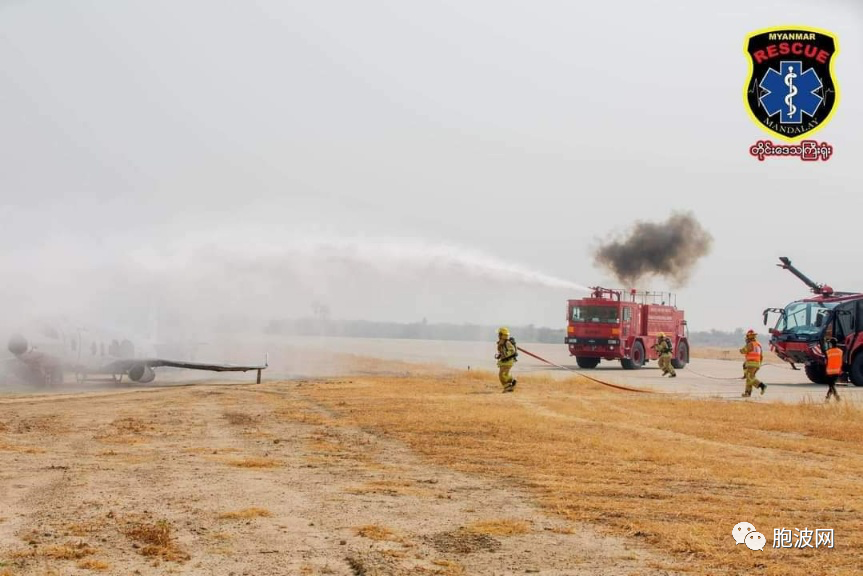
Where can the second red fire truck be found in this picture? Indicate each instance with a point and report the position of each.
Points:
(608, 325)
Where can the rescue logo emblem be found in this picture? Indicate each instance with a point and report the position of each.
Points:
(790, 91)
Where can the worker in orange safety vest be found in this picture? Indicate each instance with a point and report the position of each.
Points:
(834, 366)
(754, 356)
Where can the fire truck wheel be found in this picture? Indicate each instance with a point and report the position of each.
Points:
(636, 358)
(586, 362)
(817, 373)
(856, 371)
(682, 356)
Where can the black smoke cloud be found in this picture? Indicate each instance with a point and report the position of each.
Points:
(669, 249)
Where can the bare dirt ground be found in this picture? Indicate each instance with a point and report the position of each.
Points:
(407, 469)
(260, 480)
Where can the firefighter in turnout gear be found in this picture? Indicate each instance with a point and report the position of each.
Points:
(507, 356)
(754, 357)
(663, 348)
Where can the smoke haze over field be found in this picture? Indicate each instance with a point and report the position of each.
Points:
(217, 164)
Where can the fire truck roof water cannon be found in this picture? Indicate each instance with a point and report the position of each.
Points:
(804, 326)
(607, 325)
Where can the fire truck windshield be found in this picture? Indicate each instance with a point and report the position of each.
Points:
(597, 314)
(803, 317)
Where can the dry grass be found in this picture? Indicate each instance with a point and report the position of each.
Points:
(156, 540)
(82, 528)
(254, 462)
(128, 430)
(389, 488)
(240, 419)
(67, 551)
(43, 424)
(501, 527)
(246, 514)
(93, 564)
(379, 533)
(129, 425)
(5, 447)
(676, 474)
(448, 568)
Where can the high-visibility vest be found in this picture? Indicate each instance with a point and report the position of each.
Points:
(755, 354)
(834, 362)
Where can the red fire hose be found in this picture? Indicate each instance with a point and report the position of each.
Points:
(550, 363)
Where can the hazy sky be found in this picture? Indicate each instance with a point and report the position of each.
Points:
(257, 157)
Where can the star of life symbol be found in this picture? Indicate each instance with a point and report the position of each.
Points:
(791, 92)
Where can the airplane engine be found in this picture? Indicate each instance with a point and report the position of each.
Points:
(142, 374)
(18, 345)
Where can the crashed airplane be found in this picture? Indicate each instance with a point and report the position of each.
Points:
(45, 352)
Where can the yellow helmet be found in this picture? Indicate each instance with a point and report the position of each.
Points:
(661, 335)
(503, 331)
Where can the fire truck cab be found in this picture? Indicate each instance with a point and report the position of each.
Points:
(607, 326)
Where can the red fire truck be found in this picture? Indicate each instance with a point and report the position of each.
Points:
(804, 325)
(607, 325)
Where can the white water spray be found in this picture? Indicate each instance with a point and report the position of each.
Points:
(390, 257)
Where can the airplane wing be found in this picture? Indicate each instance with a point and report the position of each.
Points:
(127, 363)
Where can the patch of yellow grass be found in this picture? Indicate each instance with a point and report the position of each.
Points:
(246, 514)
(68, 551)
(240, 419)
(127, 430)
(325, 446)
(671, 472)
(296, 413)
(380, 533)
(5, 447)
(21, 553)
(387, 487)
(93, 564)
(157, 540)
(252, 462)
(500, 527)
(123, 440)
(82, 528)
(449, 568)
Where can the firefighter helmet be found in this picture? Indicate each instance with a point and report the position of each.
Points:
(750, 335)
(503, 331)
(661, 335)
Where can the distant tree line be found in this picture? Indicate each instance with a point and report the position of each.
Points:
(413, 330)
(723, 339)
(422, 330)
